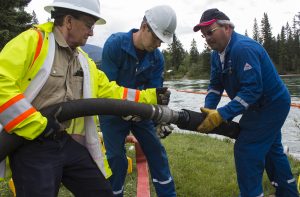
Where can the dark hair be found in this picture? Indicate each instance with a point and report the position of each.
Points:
(144, 21)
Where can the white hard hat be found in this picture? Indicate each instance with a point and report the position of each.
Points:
(91, 7)
(162, 20)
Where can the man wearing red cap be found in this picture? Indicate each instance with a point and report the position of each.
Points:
(242, 67)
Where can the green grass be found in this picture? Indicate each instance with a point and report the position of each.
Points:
(201, 167)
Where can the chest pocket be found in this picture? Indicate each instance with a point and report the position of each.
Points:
(55, 82)
(76, 84)
(53, 91)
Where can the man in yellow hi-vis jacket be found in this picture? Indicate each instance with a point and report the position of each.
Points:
(43, 66)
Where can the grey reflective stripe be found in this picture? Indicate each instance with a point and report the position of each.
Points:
(241, 101)
(131, 94)
(92, 141)
(41, 77)
(14, 111)
(119, 191)
(214, 91)
(291, 180)
(163, 182)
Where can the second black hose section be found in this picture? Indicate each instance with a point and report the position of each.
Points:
(90, 107)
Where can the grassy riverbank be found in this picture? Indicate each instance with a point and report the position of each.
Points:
(201, 167)
(204, 167)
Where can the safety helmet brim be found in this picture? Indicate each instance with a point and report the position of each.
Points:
(51, 7)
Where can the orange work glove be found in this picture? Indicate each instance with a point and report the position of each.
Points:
(212, 120)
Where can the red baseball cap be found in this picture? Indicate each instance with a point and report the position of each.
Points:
(209, 17)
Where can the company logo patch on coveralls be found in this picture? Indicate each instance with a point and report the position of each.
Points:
(247, 67)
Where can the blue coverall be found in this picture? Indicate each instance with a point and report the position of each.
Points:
(121, 63)
(251, 81)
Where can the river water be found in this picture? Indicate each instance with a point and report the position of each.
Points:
(193, 101)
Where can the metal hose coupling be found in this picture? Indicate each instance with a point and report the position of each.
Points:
(184, 119)
(163, 114)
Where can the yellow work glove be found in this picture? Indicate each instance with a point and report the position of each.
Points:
(212, 120)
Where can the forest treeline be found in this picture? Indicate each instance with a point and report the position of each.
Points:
(284, 48)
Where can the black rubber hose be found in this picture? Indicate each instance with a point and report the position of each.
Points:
(185, 119)
(90, 107)
(80, 108)
(190, 120)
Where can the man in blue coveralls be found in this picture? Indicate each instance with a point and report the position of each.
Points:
(242, 67)
(133, 60)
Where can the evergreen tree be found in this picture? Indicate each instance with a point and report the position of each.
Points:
(14, 19)
(282, 54)
(294, 26)
(296, 44)
(192, 64)
(290, 49)
(167, 58)
(205, 58)
(276, 60)
(288, 30)
(297, 23)
(255, 32)
(266, 32)
(194, 53)
(177, 53)
(268, 41)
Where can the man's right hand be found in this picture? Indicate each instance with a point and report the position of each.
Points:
(52, 123)
(212, 120)
(163, 96)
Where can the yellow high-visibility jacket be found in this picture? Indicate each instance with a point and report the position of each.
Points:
(21, 65)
